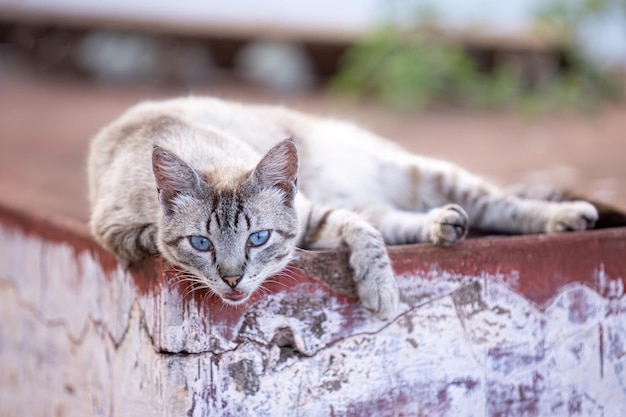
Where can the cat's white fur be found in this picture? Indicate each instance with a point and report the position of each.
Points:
(356, 189)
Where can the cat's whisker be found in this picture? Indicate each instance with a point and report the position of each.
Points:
(183, 276)
(264, 290)
(292, 268)
(305, 250)
(207, 295)
(292, 275)
(191, 277)
(292, 272)
(272, 281)
(195, 285)
(186, 278)
(175, 278)
(183, 280)
(191, 289)
(289, 268)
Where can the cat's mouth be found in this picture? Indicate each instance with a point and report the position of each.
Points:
(235, 296)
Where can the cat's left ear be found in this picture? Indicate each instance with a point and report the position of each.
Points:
(279, 169)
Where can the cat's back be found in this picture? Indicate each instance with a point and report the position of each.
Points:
(120, 158)
(196, 129)
(197, 122)
(214, 135)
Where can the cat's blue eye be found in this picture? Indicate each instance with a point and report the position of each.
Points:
(200, 243)
(259, 238)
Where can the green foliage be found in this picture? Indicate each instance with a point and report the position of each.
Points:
(405, 74)
(408, 70)
(566, 16)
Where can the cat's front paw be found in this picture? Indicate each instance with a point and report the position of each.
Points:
(572, 216)
(378, 292)
(449, 224)
(373, 275)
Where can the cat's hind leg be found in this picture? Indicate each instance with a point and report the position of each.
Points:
(129, 243)
(433, 183)
(492, 209)
(328, 228)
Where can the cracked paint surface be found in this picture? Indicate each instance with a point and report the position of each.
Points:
(78, 338)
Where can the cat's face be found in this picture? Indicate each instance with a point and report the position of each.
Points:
(231, 239)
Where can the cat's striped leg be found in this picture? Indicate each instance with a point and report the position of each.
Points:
(129, 243)
(442, 225)
(510, 214)
(436, 183)
(492, 209)
(328, 228)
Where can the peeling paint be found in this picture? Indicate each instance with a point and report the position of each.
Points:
(79, 338)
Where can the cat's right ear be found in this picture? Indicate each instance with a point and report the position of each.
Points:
(174, 177)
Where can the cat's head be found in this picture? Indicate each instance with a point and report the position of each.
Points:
(231, 238)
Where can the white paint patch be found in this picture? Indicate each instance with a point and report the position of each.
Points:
(76, 340)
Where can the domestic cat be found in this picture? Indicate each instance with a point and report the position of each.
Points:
(228, 191)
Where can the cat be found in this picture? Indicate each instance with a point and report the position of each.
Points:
(227, 191)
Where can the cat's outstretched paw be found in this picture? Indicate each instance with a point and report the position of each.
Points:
(572, 216)
(379, 294)
(373, 275)
(449, 224)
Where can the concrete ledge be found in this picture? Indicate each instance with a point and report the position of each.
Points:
(528, 325)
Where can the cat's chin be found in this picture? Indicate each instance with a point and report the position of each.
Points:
(235, 297)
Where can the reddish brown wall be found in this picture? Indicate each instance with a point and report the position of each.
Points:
(528, 326)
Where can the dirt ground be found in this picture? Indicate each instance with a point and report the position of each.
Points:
(46, 126)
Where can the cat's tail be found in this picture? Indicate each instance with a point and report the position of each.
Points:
(609, 215)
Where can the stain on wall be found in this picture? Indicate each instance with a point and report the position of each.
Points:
(78, 338)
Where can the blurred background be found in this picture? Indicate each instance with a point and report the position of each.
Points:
(428, 49)
(519, 91)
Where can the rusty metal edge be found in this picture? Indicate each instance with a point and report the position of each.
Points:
(541, 264)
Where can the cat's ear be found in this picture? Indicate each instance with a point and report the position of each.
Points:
(279, 169)
(174, 177)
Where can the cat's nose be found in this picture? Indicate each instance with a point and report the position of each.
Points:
(232, 280)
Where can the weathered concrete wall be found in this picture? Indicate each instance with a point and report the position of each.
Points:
(531, 326)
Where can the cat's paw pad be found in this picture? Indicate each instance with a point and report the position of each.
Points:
(572, 216)
(449, 224)
(379, 294)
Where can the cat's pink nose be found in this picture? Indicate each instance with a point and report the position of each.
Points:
(232, 280)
